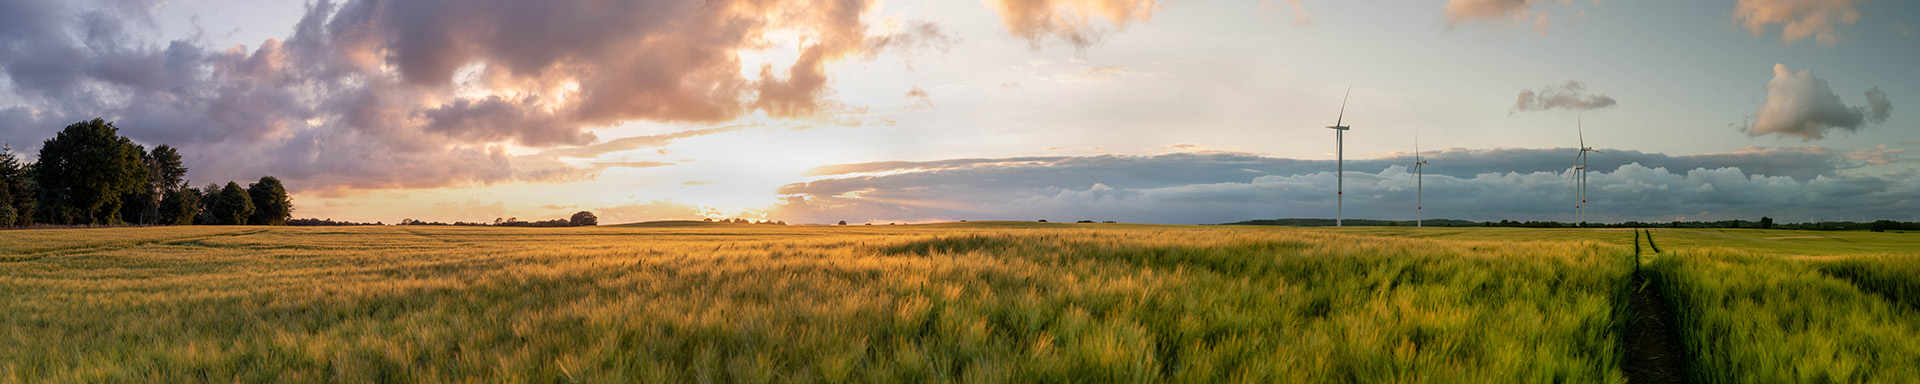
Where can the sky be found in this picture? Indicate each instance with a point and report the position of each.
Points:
(868, 111)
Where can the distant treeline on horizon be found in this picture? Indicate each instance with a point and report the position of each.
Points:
(579, 219)
(1763, 223)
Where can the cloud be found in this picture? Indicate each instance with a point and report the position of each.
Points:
(1070, 21)
(1801, 105)
(1214, 188)
(916, 36)
(1902, 28)
(629, 164)
(1180, 168)
(638, 142)
(1102, 73)
(1300, 16)
(1879, 108)
(649, 211)
(417, 94)
(921, 100)
(1881, 155)
(1797, 18)
(557, 206)
(1517, 12)
(1570, 96)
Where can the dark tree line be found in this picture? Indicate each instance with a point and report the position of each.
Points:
(745, 221)
(579, 219)
(88, 174)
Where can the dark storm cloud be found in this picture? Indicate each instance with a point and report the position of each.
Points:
(380, 94)
(1182, 168)
(1466, 184)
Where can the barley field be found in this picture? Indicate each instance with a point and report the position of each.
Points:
(960, 302)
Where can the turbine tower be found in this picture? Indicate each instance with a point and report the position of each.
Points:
(1419, 182)
(1580, 172)
(1340, 160)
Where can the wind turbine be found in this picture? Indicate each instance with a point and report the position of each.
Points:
(1580, 172)
(1340, 160)
(1419, 180)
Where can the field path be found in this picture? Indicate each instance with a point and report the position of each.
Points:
(1653, 348)
(1652, 345)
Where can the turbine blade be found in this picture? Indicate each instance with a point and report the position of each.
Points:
(1416, 147)
(1343, 107)
(1583, 131)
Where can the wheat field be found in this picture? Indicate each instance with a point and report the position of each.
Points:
(961, 302)
(754, 303)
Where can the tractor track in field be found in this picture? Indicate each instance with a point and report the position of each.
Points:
(1653, 353)
(32, 256)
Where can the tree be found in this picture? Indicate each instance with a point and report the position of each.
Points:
(232, 206)
(271, 206)
(1766, 222)
(165, 174)
(180, 207)
(85, 170)
(17, 197)
(208, 195)
(843, 222)
(583, 218)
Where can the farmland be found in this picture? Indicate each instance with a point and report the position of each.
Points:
(959, 302)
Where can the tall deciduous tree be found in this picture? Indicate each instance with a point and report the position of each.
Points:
(232, 206)
(271, 205)
(165, 174)
(208, 194)
(85, 170)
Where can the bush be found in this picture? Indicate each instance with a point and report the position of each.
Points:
(583, 218)
(233, 206)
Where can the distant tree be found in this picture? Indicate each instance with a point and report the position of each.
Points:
(1766, 222)
(208, 195)
(85, 170)
(1043, 220)
(165, 174)
(17, 197)
(233, 206)
(843, 222)
(271, 206)
(180, 207)
(583, 219)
